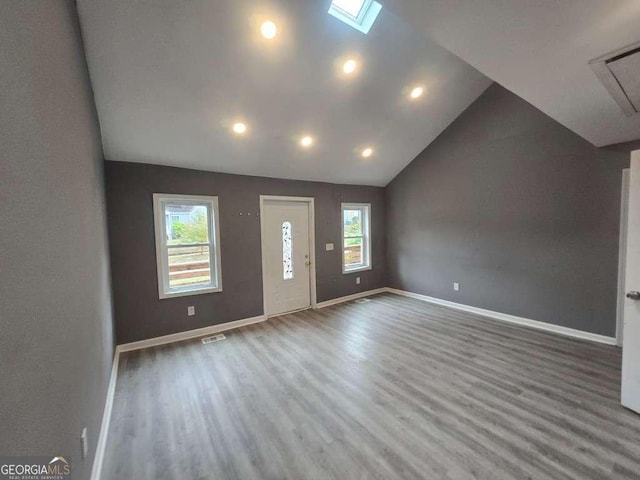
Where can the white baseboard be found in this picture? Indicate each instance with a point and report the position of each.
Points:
(505, 317)
(98, 459)
(176, 337)
(189, 334)
(348, 298)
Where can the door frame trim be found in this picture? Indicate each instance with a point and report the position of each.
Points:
(312, 246)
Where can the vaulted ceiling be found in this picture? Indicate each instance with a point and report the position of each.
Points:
(171, 77)
(540, 50)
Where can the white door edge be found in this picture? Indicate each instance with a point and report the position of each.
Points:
(622, 255)
(630, 378)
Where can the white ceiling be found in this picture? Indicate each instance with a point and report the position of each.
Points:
(540, 49)
(170, 77)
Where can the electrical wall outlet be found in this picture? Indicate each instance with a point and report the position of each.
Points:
(191, 310)
(357, 280)
(328, 247)
(84, 442)
(456, 286)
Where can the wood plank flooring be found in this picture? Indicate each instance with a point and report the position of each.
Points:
(394, 388)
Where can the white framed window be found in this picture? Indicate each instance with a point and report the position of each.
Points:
(187, 244)
(359, 14)
(356, 237)
(354, 8)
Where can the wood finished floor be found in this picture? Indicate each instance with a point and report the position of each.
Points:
(392, 388)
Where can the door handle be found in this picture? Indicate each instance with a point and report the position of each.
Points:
(633, 295)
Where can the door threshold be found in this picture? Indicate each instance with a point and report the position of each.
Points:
(289, 312)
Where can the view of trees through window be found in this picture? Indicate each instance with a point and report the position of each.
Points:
(352, 237)
(188, 244)
(196, 231)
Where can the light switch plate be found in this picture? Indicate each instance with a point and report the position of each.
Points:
(328, 247)
(191, 311)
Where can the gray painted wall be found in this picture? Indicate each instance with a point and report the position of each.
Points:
(56, 333)
(519, 210)
(140, 314)
(626, 147)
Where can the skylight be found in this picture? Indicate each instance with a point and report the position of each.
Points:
(359, 14)
(352, 7)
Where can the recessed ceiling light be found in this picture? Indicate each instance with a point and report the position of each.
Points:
(239, 128)
(306, 141)
(268, 29)
(367, 152)
(416, 92)
(349, 66)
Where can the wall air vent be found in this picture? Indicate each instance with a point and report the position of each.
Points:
(619, 72)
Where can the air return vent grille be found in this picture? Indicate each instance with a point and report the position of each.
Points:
(215, 338)
(363, 300)
(619, 72)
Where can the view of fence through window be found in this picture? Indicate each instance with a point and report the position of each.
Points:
(188, 245)
(353, 238)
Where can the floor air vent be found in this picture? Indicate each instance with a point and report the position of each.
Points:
(363, 300)
(215, 338)
(619, 72)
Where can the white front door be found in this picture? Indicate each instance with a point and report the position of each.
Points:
(631, 339)
(286, 248)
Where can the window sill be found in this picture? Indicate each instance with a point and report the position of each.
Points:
(354, 270)
(187, 293)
